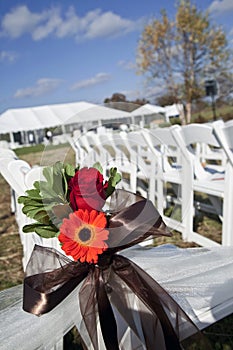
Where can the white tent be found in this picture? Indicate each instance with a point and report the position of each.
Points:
(150, 110)
(32, 121)
(173, 110)
(147, 110)
(34, 118)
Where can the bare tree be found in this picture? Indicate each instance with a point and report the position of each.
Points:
(179, 51)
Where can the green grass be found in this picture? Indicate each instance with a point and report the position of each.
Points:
(38, 148)
(224, 111)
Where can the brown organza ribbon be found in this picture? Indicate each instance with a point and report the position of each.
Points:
(111, 288)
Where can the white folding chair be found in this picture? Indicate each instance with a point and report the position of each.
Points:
(174, 170)
(224, 134)
(21, 176)
(203, 181)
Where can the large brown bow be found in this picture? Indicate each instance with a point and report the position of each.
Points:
(110, 288)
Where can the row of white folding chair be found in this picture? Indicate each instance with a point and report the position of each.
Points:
(175, 161)
(149, 167)
(198, 179)
(187, 172)
(144, 159)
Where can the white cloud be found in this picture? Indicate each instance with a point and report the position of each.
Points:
(108, 24)
(97, 79)
(20, 21)
(127, 65)
(219, 7)
(8, 56)
(48, 26)
(94, 24)
(43, 86)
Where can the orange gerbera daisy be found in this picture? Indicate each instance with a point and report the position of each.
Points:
(83, 235)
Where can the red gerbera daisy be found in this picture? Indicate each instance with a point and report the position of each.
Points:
(83, 235)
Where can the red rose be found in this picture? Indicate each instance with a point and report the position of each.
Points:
(87, 190)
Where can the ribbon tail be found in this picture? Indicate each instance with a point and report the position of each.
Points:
(165, 313)
(106, 315)
(88, 307)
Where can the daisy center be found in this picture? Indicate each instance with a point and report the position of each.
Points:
(84, 234)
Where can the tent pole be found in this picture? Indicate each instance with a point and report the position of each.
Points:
(36, 133)
(63, 128)
(12, 140)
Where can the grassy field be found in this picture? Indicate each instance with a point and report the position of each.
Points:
(11, 273)
(223, 111)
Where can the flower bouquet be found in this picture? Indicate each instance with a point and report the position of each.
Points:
(93, 221)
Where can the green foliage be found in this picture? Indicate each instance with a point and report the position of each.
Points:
(44, 197)
(47, 203)
(113, 180)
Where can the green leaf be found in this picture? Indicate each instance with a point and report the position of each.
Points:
(69, 170)
(42, 217)
(35, 194)
(41, 230)
(32, 212)
(58, 168)
(37, 185)
(30, 228)
(115, 177)
(46, 231)
(46, 195)
(29, 201)
(113, 180)
(48, 174)
(34, 202)
(47, 191)
(22, 199)
(98, 166)
(59, 179)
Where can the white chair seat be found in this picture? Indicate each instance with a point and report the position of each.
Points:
(214, 187)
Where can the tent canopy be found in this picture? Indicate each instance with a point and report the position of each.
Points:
(167, 111)
(41, 117)
(173, 110)
(148, 109)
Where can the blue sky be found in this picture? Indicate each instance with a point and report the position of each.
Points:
(66, 51)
